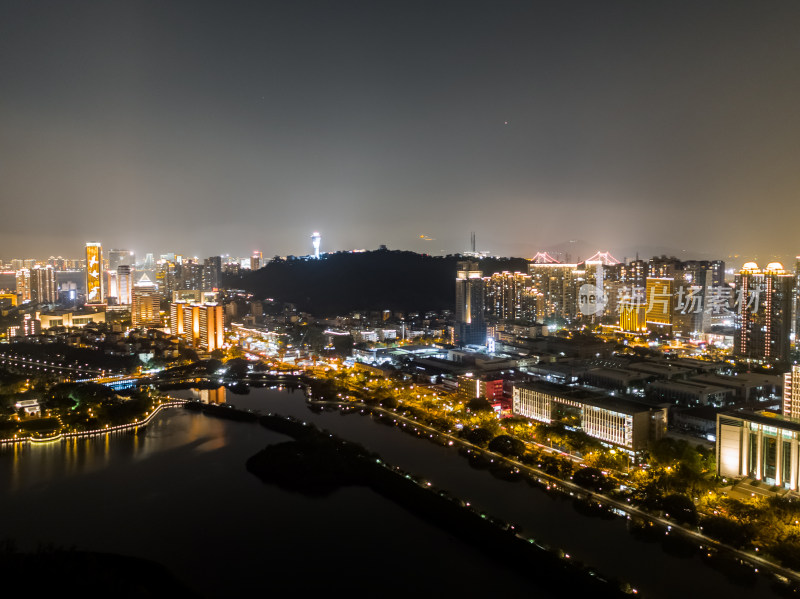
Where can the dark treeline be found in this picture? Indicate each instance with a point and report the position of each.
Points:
(226, 411)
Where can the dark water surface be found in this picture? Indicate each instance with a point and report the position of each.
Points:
(180, 495)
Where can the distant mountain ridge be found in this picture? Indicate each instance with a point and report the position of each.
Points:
(376, 280)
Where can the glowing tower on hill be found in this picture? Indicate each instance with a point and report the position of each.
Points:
(315, 239)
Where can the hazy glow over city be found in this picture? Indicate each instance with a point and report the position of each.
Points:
(213, 128)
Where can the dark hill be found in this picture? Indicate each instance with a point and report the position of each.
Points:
(342, 282)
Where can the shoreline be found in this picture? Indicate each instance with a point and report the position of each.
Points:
(33, 441)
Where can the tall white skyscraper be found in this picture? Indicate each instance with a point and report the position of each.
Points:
(124, 284)
(117, 258)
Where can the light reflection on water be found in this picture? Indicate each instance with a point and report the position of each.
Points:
(185, 458)
(179, 494)
(27, 465)
(604, 544)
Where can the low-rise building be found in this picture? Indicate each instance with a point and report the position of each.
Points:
(690, 393)
(618, 379)
(746, 386)
(615, 421)
(470, 387)
(69, 318)
(759, 445)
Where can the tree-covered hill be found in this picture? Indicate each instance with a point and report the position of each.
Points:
(377, 280)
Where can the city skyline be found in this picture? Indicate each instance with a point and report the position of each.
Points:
(510, 284)
(575, 251)
(251, 126)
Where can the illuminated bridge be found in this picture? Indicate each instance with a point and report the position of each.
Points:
(119, 383)
(47, 366)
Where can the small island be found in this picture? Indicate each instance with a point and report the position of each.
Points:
(317, 463)
(73, 407)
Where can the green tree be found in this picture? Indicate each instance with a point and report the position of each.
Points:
(479, 436)
(590, 478)
(507, 445)
(680, 508)
(237, 367)
(343, 345)
(725, 530)
(235, 352)
(478, 404)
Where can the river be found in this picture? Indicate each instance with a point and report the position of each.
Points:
(179, 494)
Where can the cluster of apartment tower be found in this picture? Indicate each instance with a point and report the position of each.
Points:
(666, 296)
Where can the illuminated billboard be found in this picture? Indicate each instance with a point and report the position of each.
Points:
(94, 279)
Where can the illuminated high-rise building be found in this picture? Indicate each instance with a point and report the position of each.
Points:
(796, 319)
(176, 322)
(166, 276)
(791, 393)
(117, 258)
(145, 304)
(124, 280)
(555, 281)
(58, 263)
(589, 281)
(94, 273)
(658, 304)
(211, 327)
(212, 273)
(200, 325)
(634, 275)
(190, 275)
(23, 281)
(662, 267)
(763, 313)
(43, 288)
(508, 296)
(632, 316)
(31, 325)
(470, 324)
(256, 261)
(697, 283)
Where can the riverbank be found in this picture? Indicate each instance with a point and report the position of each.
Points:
(319, 463)
(196, 464)
(171, 403)
(737, 564)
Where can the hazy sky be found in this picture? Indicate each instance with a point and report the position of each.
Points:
(225, 127)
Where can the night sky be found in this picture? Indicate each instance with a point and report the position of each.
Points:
(226, 127)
